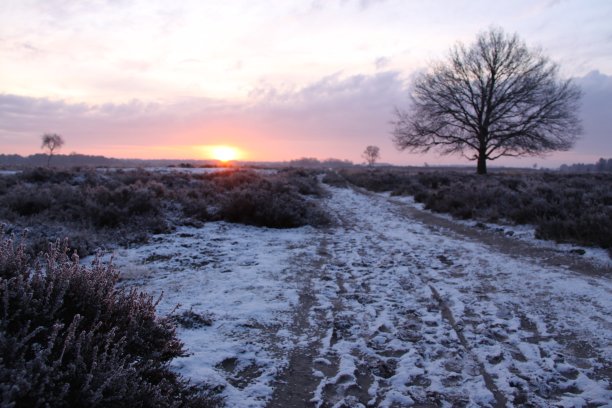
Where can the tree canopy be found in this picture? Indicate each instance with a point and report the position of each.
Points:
(51, 141)
(371, 154)
(495, 98)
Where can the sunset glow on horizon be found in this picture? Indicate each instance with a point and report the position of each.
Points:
(274, 80)
(222, 153)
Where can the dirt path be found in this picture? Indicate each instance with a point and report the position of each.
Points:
(403, 308)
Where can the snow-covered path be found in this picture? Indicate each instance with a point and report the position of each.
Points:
(424, 317)
(381, 310)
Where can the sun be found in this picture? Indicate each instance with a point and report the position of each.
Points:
(224, 153)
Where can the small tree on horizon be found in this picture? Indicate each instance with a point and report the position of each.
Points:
(496, 98)
(51, 141)
(371, 154)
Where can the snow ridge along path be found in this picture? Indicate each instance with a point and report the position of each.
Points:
(382, 309)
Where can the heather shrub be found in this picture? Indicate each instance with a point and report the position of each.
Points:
(268, 205)
(378, 181)
(43, 174)
(232, 179)
(70, 338)
(190, 319)
(196, 208)
(125, 205)
(303, 181)
(334, 179)
(26, 202)
(129, 177)
(588, 228)
(6, 184)
(563, 207)
(97, 209)
(433, 180)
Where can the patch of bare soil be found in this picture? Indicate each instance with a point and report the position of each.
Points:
(296, 385)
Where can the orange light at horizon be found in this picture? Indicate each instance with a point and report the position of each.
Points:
(222, 153)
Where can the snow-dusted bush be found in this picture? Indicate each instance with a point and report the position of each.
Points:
(334, 179)
(70, 338)
(23, 201)
(276, 200)
(192, 320)
(269, 204)
(379, 180)
(124, 207)
(302, 180)
(563, 207)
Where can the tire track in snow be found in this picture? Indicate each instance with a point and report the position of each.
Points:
(296, 383)
(500, 400)
(385, 357)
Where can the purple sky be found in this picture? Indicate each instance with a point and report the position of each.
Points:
(278, 80)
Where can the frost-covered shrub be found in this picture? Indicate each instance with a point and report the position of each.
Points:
(192, 320)
(274, 200)
(27, 202)
(332, 178)
(564, 207)
(7, 184)
(196, 208)
(303, 181)
(70, 338)
(44, 175)
(375, 180)
(125, 207)
(232, 179)
(433, 180)
(269, 205)
(587, 229)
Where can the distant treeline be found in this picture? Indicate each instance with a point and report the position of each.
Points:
(601, 166)
(82, 160)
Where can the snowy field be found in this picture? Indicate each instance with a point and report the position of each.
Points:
(378, 310)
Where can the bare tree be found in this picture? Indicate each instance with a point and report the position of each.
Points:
(371, 154)
(51, 141)
(496, 98)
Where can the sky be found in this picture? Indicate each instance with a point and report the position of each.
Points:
(277, 79)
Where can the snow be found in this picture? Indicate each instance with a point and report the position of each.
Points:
(401, 313)
(242, 276)
(522, 232)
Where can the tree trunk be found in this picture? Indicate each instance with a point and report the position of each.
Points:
(482, 164)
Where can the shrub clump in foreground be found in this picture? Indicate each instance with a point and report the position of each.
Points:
(70, 338)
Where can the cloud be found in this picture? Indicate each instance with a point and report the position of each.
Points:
(381, 62)
(363, 4)
(334, 116)
(596, 108)
(354, 108)
(318, 5)
(334, 112)
(23, 119)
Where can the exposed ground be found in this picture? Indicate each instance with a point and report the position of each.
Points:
(391, 307)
